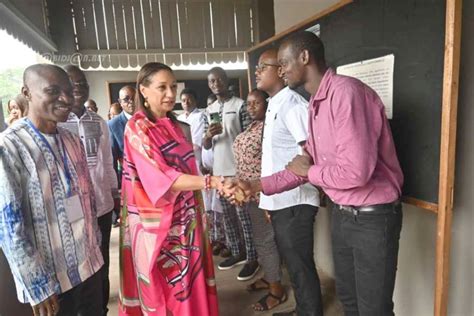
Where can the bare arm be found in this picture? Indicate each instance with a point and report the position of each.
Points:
(207, 142)
(214, 129)
(187, 182)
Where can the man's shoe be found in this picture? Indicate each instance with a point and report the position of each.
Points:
(232, 261)
(249, 270)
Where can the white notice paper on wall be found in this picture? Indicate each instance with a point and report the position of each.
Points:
(377, 73)
(316, 29)
(180, 88)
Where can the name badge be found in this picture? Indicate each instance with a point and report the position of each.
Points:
(73, 208)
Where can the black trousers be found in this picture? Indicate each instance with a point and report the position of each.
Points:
(84, 299)
(105, 226)
(294, 235)
(365, 251)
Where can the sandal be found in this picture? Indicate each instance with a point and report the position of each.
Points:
(263, 302)
(254, 287)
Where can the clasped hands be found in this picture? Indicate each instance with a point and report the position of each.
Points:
(238, 191)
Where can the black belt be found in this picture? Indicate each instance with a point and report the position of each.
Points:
(354, 210)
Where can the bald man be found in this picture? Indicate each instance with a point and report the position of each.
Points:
(117, 124)
(91, 106)
(48, 224)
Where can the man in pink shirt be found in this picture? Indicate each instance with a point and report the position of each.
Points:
(351, 156)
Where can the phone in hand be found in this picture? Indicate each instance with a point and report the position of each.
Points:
(215, 118)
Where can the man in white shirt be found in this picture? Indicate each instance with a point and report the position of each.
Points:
(292, 212)
(227, 118)
(94, 134)
(196, 120)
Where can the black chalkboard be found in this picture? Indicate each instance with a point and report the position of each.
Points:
(412, 30)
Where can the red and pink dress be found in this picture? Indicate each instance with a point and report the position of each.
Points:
(165, 260)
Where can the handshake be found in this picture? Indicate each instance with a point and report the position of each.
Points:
(238, 191)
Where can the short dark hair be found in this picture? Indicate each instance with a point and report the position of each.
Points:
(38, 69)
(263, 94)
(70, 67)
(218, 71)
(116, 106)
(189, 92)
(309, 41)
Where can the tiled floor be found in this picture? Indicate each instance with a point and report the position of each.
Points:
(234, 300)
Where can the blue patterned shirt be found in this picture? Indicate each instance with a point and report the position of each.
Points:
(48, 251)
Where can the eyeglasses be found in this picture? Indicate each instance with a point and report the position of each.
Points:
(127, 99)
(261, 67)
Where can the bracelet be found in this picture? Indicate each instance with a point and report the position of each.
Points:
(207, 182)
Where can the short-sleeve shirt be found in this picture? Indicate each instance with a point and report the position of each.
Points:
(286, 125)
(196, 120)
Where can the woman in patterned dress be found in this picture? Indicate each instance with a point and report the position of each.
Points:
(165, 259)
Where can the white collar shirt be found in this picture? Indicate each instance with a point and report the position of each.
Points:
(196, 120)
(94, 134)
(128, 116)
(286, 125)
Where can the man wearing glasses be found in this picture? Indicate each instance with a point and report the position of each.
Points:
(117, 128)
(292, 212)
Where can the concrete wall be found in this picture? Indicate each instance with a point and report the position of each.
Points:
(98, 88)
(291, 12)
(414, 291)
(462, 255)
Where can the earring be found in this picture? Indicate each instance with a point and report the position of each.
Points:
(146, 103)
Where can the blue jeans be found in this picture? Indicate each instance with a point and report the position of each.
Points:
(365, 251)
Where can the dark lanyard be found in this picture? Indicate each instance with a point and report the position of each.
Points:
(64, 156)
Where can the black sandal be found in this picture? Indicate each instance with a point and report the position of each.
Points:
(263, 302)
(253, 287)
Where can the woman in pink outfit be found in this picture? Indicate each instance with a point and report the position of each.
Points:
(165, 259)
